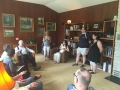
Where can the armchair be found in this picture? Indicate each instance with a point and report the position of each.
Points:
(64, 56)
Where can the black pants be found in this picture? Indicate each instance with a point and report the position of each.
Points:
(24, 59)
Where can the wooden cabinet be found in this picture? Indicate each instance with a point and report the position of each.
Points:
(107, 37)
(72, 30)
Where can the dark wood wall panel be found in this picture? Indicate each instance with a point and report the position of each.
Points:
(22, 9)
(90, 14)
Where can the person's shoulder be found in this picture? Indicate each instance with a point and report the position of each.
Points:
(91, 88)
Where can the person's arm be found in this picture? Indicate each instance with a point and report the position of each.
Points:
(44, 39)
(29, 50)
(89, 39)
(18, 75)
(11, 66)
(49, 39)
(67, 49)
(99, 44)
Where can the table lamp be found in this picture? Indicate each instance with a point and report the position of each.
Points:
(6, 82)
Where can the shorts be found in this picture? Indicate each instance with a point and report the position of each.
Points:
(82, 51)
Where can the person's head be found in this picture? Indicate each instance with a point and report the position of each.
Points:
(11, 52)
(21, 43)
(95, 36)
(6, 47)
(65, 43)
(82, 79)
(83, 30)
(46, 33)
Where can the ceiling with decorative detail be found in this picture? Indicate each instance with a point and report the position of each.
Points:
(67, 5)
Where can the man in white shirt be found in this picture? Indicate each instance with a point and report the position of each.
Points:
(23, 54)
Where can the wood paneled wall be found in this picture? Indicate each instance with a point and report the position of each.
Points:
(22, 9)
(90, 14)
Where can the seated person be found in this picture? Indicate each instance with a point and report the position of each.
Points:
(29, 83)
(82, 79)
(9, 65)
(23, 54)
(63, 47)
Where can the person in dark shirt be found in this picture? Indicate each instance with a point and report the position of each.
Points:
(84, 41)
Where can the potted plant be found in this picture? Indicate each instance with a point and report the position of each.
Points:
(31, 41)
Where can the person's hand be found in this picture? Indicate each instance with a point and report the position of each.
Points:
(22, 81)
(33, 84)
(23, 72)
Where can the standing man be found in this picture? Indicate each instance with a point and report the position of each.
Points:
(84, 41)
(23, 54)
(82, 79)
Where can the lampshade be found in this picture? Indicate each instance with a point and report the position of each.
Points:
(68, 21)
(17, 38)
(6, 82)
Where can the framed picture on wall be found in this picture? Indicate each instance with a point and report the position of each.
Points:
(8, 33)
(8, 20)
(40, 31)
(26, 24)
(50, 26)
(96, 26)
(41, 20)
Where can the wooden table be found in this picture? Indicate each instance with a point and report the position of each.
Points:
(28, 45)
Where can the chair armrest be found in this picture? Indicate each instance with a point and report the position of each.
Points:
(64, 56)
(52, 51)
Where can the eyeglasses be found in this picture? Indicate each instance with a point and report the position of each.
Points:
(74, 74)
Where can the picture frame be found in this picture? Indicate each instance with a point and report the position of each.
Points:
(96, 26)
(8, 20)
(50, 26)
(26, 24)
(40, 31)
(8, 33)
(40, 20)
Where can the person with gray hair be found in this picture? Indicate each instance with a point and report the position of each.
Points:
(82, 79)
(23, 54)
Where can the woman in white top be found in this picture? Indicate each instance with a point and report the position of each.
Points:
(63, 47)
(46, 41)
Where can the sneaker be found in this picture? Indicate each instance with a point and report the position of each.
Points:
(75, 64)
(82, 66)
(92, 72)
(37, 68)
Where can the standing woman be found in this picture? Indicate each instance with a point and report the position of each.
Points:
(94, 53)
(46, 41)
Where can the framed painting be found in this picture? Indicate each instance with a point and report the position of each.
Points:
(26, 24)
(8, 20)
(40, 31)
(8, 33)
(50, 26)
(96, 26)
(41, 20)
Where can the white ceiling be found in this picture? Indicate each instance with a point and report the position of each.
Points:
(67, 5)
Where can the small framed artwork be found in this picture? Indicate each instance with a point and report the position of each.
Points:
(41, 20)
(8, 20)
(96, 26)
(50, 26)
(8, 33)
(26, 24)
(40, 31)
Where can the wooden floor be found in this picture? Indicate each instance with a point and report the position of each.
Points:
(58, 76)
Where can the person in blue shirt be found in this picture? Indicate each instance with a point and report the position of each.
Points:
(84, 41)
(82, 79)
